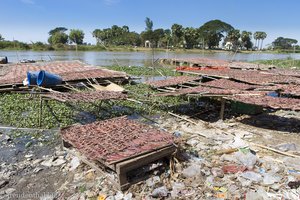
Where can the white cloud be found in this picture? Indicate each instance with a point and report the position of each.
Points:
(28, 2)
(111, 2)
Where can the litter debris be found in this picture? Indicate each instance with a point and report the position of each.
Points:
(252, 176)
(191, 171)
(294, 184)
(160, 192)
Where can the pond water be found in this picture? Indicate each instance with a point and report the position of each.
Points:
(105, 58)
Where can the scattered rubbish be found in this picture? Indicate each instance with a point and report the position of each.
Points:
(177, 189)
(286, 147)
(160, 192)
(260, 194)
(75, 162)
(248, 159)
(253, 176)
(216, 172)
(128, 196)
(3, 183)
(238, 143)
(191, 171)
(232, 169)
(58, 162)
(294, 184)
(152, 181)
(101, 197)
(270, 179)
(177, 134)
(293, 163)
(294, 173)
(119, 195)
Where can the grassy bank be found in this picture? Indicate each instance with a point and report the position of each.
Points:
(39, 46)
(145, 71)
(284, 63)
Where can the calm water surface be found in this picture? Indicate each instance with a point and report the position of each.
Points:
(135, 58)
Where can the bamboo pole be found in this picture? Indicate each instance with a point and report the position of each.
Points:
(222, 108)
(40, 111)
(275, 150)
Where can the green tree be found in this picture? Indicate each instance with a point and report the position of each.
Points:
(57, 29)
(177, 34)
(284, 43)
(263, 35)
(165, 41)
(147, 35)
(132, 38)
(76, 36)
(259, 37)
(158, 34)
(190, 37)
(149, 24)
(213, 31)
(58, 36)
(233, 36)
(246, 39)
(102, 36)
(116, 36)
(256, 37)
(125, 29)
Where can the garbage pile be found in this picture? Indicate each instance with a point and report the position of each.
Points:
(225, 162)
(220, 160)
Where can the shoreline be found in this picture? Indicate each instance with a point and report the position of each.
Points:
(95, 48)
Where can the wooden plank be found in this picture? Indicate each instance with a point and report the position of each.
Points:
(222, 108)
(203, 74)
(146, 159)
(54, 98)
(276, 151)
(163, 90)
(192, 83)
(139, 155)
(41, 112)
(185, 86)
(170, 88)
(124, 167)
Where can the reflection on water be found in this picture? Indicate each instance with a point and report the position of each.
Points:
(105, 58)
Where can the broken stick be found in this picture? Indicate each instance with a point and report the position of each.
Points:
(275, 150)
(183, 118)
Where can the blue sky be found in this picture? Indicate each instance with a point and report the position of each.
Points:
(30, 20)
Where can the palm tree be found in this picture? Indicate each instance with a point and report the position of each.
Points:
(256, 37)
(233, 36)
(246, 39)
(177, 33)
(149, 24)
(263, 36)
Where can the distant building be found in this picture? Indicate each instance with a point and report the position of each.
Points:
(148, 44)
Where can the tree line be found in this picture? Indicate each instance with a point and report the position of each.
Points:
(208, 36)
